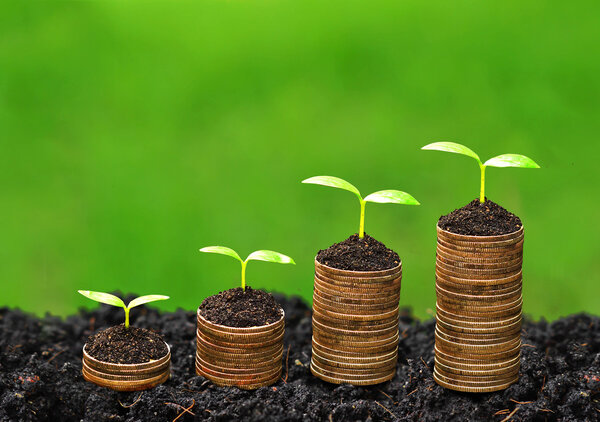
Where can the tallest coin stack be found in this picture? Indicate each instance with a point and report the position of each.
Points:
(478, 311)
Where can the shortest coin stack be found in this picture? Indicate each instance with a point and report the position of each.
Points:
(355, 325)
(126, 377)
(247, 358)
(478, 311)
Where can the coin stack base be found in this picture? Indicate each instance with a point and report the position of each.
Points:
(247, 358)
(126, 377)
(478, 311)
(355, 325)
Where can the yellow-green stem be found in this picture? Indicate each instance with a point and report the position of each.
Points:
(126, 317)
(244, 263)
(361, 229)
(482, 191)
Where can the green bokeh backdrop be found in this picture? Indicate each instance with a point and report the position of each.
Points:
(134, 133)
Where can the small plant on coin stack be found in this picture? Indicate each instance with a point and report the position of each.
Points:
(125, 358)
(355, 301)
(478, 288)
(239, 339)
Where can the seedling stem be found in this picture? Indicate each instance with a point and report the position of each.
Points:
(482, 189)
(244, 264)
(361, 229)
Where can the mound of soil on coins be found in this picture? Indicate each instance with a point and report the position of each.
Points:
(356, 254)
(480, 219)
(241, 308)
(40, 376)
(126, 345)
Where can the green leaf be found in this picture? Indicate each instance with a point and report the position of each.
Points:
(222, 250)
(392, 197)
(103, 298)
(270, 256)
(145, 299)
(334, 182)
(452, 147)
(512, 160)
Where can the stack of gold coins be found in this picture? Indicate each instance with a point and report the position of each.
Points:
(478, 311)
(247, 358)
(355, 325)
(126, 377)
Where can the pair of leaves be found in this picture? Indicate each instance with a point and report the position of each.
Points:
(389, 196)
(116, 301)
(504, 160)
(262, 255)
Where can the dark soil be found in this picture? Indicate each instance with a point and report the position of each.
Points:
(126, 345)
(40, 376)
(239, 308)
(477, 219)
(355, 254)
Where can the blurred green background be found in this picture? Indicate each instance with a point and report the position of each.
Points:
(134, 133)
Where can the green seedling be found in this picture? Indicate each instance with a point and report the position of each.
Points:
(382, 196)
(504, 160)
(262, 255)
(115, 301)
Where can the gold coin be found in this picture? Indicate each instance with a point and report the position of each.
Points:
(465, 264)
(473, 340)
(460, 271)
(124, 368)
(372, 334)
(469, 358)
(345, 308)
(473, 389)
(348, 380)
(495, 282)
(343, 365)
(512, 330)
(478, 254)
(477, 250)
(241, 330)
(498, 323)
(364, 287)
(357, 374)
(495, 298)
(454, 347)
(497, 239)
(370, 282)
(458, 307)
(266, 350)
(357, 274)
(477, 365)
(353, 357)
(501, 378)
(137, 385)
(378, 352)
(247, 384)
(355, 294)
(479, 371)
(350, 344)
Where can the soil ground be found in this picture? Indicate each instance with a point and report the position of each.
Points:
(40, 376)
(126, 345)
(356, 254)
(477, 219)
(241, 308)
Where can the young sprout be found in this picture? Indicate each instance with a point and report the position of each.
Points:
(115, 301)
(262, 255)
(504, 160)
(382, 196)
